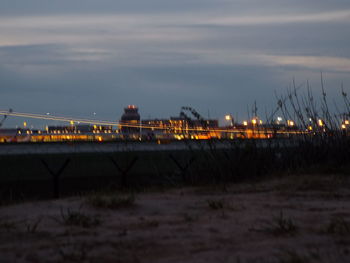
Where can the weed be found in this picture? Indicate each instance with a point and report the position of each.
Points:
(7, 225)
(73, 252)
(190, 218)
(216, 204)
(77, 218)
(290, 256)
(279, 226)
(31, 228)
(111, 201)
(312, 255)
(338, 226)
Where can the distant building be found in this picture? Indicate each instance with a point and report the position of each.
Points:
(180, 127)
(130, 121)
(7, 135)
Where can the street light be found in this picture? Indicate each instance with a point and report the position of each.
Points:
(279, 119)
(229, 118)
(290, 123)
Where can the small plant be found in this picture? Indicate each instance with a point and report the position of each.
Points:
(190, 218)
(7, 225)
(216, 204)
(290, 256)
(111, 201)
(338, 226)
(73, 252)
(280, 226)
(77, 218)
(31, 228)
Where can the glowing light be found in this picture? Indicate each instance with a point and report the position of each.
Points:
(228, 117)
(347, 122)
(71, 122)
(24, 124)
(279, 118)
(320, 122)
(254, 121)
(290, 123)
(245, 123)
(343, 126)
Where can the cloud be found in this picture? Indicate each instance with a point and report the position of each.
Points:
(160, 55)
(331, 64)
(174, 38)
(273, 18)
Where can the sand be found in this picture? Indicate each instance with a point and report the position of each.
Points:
(304, 218)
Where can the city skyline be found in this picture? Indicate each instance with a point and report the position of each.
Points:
(77, 58)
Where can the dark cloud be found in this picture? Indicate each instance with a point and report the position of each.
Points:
(162, 55)
(104, 6)
(11, 7)
(48, 54)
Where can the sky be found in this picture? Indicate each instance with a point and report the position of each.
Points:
(80, 57)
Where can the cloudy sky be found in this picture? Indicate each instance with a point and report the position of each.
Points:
(76, 57)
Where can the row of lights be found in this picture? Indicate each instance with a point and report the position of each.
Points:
(228, 117)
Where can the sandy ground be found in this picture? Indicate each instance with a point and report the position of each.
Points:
(291, 219)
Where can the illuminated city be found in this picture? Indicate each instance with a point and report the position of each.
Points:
(190, 131)
(131, 127)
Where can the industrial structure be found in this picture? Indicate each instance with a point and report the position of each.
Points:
(188, 125)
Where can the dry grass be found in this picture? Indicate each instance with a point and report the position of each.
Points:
(111, 201)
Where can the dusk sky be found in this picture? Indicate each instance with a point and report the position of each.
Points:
(77, 57)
